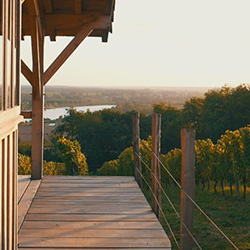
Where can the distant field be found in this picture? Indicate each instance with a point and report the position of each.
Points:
(125, 99)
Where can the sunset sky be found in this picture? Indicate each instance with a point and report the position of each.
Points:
(162, 43)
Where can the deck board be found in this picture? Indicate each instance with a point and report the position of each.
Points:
(91, 213)
(23, 182)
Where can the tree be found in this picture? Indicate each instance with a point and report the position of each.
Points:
(124, 164)
(171, 125)
(172, 161)
(73, 158)
(191, 113)
(203, 161)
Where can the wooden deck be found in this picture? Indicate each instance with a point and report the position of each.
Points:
(66, 212)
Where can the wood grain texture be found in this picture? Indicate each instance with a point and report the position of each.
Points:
(26, 200)
(67, 18)
(93, 242)
(96, 220)
(23, 182)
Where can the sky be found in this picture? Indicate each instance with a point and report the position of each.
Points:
(163, 43)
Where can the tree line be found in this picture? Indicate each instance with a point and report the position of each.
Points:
(103, 135)
(226, 163)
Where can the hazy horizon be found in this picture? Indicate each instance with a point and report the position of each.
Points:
(170, 44)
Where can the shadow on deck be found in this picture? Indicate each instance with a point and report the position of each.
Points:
(68, 212)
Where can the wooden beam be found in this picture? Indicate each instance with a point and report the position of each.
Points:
(48, 6)
(59, 61)
(105, 35)
(75, 21)
(26, 114)
(78, 6)
(26, 71)
(34, 17)
(109, 7)
(37, 40)
(37, 108)
(68, 22)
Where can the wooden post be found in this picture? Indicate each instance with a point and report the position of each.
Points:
(187, 183)
(37, 134)
(37, 100)
(136, 148)
(155, 166)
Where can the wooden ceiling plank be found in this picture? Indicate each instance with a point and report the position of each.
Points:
(109, 7)
(48, 6)
(78, 6)
(69, 23)
(73, 21)
(26, 72)
(70, 48)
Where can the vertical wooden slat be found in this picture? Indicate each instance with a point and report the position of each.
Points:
(13, 74)
(8, 195)
(1, 193)
(10, 191)
(155, 166)
(136, 148)
(4, 198)
(8, 144)
(15, 174)
(12, 55)
(7, 215)
(18, 56)
(1, 57)
(9, 53)
(187, 182)
(5, 35)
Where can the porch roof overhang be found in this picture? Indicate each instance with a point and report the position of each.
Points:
(68, 17)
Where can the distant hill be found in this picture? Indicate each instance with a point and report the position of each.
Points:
(61, 96)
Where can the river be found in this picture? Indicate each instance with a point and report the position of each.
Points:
(57, 112)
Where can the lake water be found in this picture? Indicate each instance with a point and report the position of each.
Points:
(56, 113)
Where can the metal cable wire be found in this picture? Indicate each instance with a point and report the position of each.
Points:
(194, 203)
(202, 211)
(170, 202)
(172, 177)
(163, 191)
(163, 215)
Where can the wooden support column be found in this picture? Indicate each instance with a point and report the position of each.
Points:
(136, 148)
(37, 108)
(155, 165)
(36, 78)
(37, 133)
(187, 183)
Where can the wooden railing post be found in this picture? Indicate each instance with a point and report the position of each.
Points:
(187, 183)
(136, 148)
(155, 165)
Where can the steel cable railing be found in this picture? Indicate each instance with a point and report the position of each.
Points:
(194, 203)
(170, 202)
(163, 215)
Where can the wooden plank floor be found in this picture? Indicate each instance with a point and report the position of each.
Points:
(91, 213)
